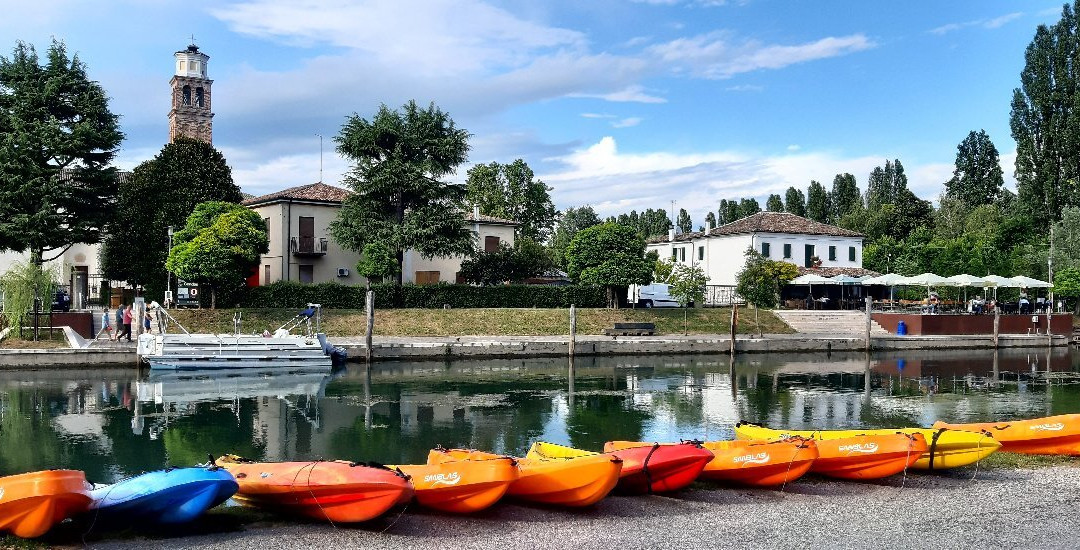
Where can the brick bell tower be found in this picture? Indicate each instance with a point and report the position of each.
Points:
(190, 115)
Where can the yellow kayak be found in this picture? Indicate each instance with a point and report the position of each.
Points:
(945, 448)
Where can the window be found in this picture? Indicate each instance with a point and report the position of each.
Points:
(307, 273)
(267, 222)
(199, 96)
(832, 253)
(491, 244)
(427, 277)
(787, 250)
(765, 249)
(266, 275)
(808, 260)
(851, 253)
(674, 254)
(307, 234)
(682, 254)
(701, 253)
(459, 278)
(187, 95)
(181, 67)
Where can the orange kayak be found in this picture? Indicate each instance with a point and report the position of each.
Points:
(32, 503)
(759, 463)
(1051, 435)
(868, 456)
(656, 468)
(574, 482)
(461, 486)
(338, 491)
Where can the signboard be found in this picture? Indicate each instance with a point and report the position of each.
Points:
(187, 294)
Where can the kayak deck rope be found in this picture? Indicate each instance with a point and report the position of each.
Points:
(645, 468)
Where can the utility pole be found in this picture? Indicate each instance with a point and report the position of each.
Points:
(320, 157)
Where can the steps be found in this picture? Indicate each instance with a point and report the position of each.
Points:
(838, 323)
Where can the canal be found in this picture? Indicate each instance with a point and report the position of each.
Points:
(114, 423)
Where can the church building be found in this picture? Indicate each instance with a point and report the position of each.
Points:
(190, 115)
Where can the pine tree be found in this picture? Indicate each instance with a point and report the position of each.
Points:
(817, 202)
(775, 203)
(795, 202)
(710, 220)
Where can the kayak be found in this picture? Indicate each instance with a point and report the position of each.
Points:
(759, 463)
(946, 448)
(460, 486)
(1051, 435)
(176, 495)
(656, 468)
(337, 491)
(560, 481)
(32, 503)
(857, 457)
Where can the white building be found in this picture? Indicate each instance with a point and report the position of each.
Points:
(720, 252)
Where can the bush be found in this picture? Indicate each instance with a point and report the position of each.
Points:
(388, 296)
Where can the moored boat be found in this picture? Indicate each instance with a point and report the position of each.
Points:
(946, 448)
(459, 485)
(759, 463)
(1050, 435)
(337, 491)
(32, 503)
(658, 468)
(176, 495)
(857, 457)
(559, 481)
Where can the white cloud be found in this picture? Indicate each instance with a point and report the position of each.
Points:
(984, 23)
(745, 88)
(630, 94)
(626, 122)
(716, 56)
(794, 147)
(596, 115)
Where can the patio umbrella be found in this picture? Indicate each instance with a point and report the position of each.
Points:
(811, 279)
(997, 281)
(965, 281)
(845, 280)
(890, 280)
(1028, 282)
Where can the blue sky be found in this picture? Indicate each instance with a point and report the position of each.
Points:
(615, 103)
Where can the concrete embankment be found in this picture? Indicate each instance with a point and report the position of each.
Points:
(477, 347)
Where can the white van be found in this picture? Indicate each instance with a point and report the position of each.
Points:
(650, 296)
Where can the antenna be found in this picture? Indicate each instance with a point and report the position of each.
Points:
(320, 157)
(192, 39)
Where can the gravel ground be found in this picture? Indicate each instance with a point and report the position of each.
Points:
(1018, 508)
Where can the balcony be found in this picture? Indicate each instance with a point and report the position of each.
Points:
(308, 246)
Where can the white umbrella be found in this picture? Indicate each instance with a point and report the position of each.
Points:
(965, 281)
(1028, 282)
(811, 279)
(1001, 282)
(925, 279)
(884, 280)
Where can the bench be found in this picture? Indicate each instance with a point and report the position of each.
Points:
(631, 329)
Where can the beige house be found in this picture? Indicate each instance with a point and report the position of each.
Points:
(302, 250)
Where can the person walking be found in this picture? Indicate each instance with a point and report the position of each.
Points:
(146, 322)
(127, 322)
(119, 321)
(105, 326)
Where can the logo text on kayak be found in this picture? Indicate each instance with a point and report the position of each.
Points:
(1055, 427)
(859, 448)
(759, 458)
(443, 479)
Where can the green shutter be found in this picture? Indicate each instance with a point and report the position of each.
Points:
(851, 253)
(808, 260)
(765, 249)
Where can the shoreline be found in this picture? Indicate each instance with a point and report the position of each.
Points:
(439, 348)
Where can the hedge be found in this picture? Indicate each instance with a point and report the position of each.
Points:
(387, 296)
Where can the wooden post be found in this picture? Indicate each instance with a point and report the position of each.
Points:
(573, 330)
(734, 325)
(369, 305)
(997, 324)
(869, 322)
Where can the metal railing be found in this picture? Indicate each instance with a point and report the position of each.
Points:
(308, 246)
(722, 295)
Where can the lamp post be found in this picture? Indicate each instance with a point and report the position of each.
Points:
(168, 276)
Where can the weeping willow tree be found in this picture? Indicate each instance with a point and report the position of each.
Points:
(21, 285)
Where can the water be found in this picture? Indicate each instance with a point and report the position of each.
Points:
(118, 422)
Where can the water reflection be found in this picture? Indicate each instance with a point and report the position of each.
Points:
(118, 422)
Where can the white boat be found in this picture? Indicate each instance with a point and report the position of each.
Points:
(282, 349)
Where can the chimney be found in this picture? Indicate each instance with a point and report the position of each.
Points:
(476, 213)
(671, 234)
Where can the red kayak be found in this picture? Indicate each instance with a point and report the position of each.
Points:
(657, 468)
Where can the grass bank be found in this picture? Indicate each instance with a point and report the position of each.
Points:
(487, 322)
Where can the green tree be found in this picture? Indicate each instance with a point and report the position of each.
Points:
(400, 199)
(609, 255)
(1045, 121)
(1067, 285)
(160, 193)
(760, 280)
(57, 140)
(1067, 239)
(377, 263)
(525, 259)
(688, 287)
(774, 203)
(817, 202)
(21, 286)
(710, 220)
(977, 177)
(218, 246)
(571, 222)
(845, 197)
(511, 191)
(728, 212)
(795, 202)
(663, 269)
(748, 207)
(684, 223)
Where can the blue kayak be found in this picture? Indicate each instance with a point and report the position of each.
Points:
(176, 495)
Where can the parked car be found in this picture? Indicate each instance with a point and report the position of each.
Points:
(61, 300)
(654, 295)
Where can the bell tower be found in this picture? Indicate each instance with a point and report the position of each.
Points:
(190, 115)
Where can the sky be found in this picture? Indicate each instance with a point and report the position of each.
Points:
(618, 104)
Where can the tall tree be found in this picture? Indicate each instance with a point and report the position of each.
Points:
(845, 197)
(1045, 121)
(182, 175)
(977, 177)
(795, 202)
(748, 207)
(684, 222)
(400, 158)
(817, 202)
(710, 221)
(729, 211)
(512, 191)
(1067, 239)
(57, 140)
(774, 203)
(571, 222)
(609, 255)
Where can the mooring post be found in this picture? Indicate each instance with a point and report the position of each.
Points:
(734, 325)
(869, 322)
(573, 330)
(369, 306)
(997, 325)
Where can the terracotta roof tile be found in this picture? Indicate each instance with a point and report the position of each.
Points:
(316, 192)
(834, 271)
(768, 222)
(484, 218)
